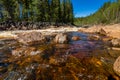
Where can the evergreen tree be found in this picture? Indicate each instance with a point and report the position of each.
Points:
(56, 11)
(1, 10)
(108, 13)
(71, 14)
(11, 7)
(43, 8)
(33, 10)
(64, 11)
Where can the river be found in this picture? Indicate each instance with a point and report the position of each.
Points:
(78, 60)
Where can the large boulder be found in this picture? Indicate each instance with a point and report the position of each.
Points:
(61, 38)
(115, 42)
(31, 38)
(116, 66)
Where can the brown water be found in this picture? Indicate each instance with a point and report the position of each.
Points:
(78, 60)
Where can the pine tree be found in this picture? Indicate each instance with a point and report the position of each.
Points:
(64, 11)
(11, 7)
(33, 10)
(108, 13)
(42, 10)
(1, 10)
(55, 10)
(71, 14)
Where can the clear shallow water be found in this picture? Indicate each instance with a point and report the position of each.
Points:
(79, 60)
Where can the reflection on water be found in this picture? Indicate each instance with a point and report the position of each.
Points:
(78, 60)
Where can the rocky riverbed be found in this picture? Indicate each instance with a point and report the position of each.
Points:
(59, 54)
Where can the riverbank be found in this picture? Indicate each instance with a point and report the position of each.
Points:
(111, 30)
(49, 31)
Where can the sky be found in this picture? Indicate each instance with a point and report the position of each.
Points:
(84, 8)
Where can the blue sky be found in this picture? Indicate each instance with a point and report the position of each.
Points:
(84, 8)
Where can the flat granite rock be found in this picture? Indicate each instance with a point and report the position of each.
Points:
(31, 38)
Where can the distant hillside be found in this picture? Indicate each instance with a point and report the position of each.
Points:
(108, 13)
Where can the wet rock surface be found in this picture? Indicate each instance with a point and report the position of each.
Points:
(77, 60)
(76, 38)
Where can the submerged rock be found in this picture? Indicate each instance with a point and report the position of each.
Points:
(94, 37)
(61, 38)
(114, 52)
(24, 51)
(31, 38)
(116, 66)
(12, 76)
(75, 38)
(44, 51)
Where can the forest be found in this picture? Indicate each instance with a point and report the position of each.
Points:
(109, 13)
(57, 11)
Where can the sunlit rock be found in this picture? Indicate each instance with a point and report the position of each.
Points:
(116, 66)
(61, 38)
(115, 42)
(102, 32)
(31, 38)
(105, 39)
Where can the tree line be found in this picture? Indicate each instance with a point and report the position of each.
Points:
(58, 11)
(107, 14)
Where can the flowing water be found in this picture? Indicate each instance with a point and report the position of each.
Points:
(79, 60)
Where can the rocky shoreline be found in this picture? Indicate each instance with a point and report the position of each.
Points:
(112, 36)
(26, 25)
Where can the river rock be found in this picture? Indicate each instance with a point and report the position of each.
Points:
(94, 37)
(61, 38)
(115, 42)
(114, 52)
(25, 51)
(44, 50)
(116, 66)
(31, 38)
(105, 39)
(102, 32)
(76, 38)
